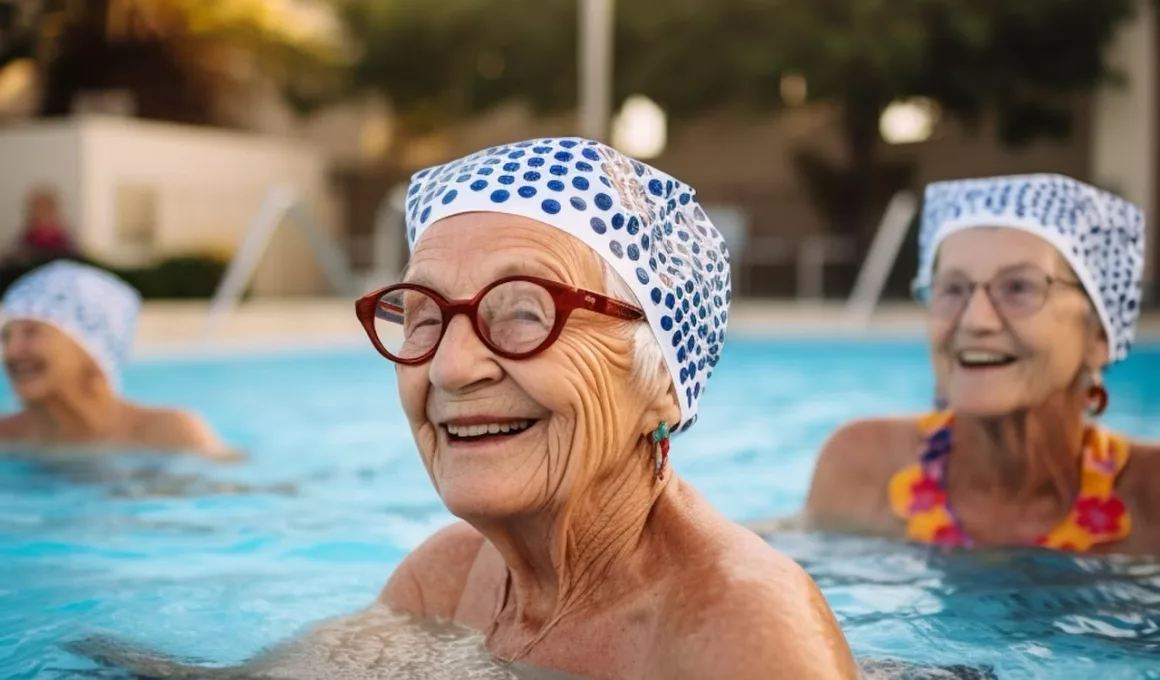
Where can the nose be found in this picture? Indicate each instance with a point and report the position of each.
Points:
(462, 362)
(980, 315)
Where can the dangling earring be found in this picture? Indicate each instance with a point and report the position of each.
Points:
(1097, 396)
(660, 439)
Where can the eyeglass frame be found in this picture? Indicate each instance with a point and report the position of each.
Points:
(918, 285)
(565, 298)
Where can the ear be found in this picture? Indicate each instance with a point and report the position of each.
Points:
(664, 407)
(1096, 348)
(93, 379)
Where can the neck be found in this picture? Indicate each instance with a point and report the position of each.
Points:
(582, 555)
(77, 415)
(1033, 454)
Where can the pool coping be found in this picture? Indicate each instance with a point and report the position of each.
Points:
(291, 325)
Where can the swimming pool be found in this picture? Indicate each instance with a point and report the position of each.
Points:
(217, 562)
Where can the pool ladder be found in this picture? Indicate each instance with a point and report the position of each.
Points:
(880, 260)
(282, 205)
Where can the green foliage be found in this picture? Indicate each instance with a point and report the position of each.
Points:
(180, 277)
(178, 58)
(1018, 58)
(436, 60)
(1015, 55)
(441, 61)
(691, 56)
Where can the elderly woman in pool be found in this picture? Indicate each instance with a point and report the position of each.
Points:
(563, 308)
(67, 328)
(1033, 286)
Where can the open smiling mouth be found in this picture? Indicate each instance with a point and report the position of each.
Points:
(975, 360)
(482, 432)
(20, 370)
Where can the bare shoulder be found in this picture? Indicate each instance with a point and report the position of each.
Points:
(179, 430)
(854, 469)
(754, 613)
(430, 581)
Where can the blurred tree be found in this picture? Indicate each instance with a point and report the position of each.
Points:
(441, 61)
(1017, 58)
(179, 58)
(447, 60)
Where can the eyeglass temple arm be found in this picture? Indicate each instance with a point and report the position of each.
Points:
(389, 312)
(610, 307)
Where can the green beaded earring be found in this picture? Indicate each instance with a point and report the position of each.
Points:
(660, 438)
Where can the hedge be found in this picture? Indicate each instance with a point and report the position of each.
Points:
(180, 277)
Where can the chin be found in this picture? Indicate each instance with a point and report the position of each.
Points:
(477, 499)
(982, 406)
(29, 394)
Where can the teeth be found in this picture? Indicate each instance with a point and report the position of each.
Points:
(465, 431)
(983, 358)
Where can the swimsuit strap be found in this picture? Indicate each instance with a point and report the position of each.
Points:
(918, 493)
(1099, 515)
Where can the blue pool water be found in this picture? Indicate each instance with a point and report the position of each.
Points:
(218, 562)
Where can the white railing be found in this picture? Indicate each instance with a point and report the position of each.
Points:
(282, 205)
(814, 253)
(387, 239)
(881, 258)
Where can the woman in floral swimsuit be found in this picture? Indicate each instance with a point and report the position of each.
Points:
(1033, 288)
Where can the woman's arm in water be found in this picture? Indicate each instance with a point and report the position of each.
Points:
(851, 482)
(848, 484)
(776, 525)
(178, 430)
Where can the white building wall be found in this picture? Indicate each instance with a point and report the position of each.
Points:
(1126, 122)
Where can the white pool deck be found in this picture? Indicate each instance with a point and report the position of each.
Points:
(177, 328)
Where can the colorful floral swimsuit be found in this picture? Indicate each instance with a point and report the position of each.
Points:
(918, 493)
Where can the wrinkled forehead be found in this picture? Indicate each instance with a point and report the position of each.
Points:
(473, 249)
(48, 336)
(9, 325)
(985, 250)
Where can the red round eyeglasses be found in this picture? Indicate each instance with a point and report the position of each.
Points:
(516, 317)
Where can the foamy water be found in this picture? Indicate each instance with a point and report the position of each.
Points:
(375, 644)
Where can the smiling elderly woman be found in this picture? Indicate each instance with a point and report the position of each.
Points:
(1033, 286)
(66, 332)
(562, 311)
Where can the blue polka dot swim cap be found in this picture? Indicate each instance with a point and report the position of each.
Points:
(645, 224)
(1099, 234)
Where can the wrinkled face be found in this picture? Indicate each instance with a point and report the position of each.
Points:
(501, 438)
(41, 360)
(1029, 339)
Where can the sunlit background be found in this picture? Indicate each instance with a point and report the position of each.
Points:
(165, 127)
(243, 163)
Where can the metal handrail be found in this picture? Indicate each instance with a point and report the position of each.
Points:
(881, 258)
(281, 205)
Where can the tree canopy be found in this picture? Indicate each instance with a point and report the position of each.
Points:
(457, 57)
(1018, 58)
(441, 61)
(177, 57)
